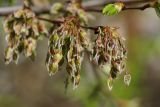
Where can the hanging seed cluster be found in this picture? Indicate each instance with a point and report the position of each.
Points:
(109, 52)
(23, 30)
(66, 44)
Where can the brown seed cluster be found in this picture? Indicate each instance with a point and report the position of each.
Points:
(23, 30)
(109, 52)
(67, 44)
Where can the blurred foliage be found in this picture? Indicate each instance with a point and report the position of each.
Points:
(10, 101)
(8, 2)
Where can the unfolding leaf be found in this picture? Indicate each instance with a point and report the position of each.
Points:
(112, 9)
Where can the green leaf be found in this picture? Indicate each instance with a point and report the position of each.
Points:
(157, 9)
(112, 9)
(108, 9)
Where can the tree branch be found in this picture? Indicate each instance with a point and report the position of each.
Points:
(58, 22)
(51, 21)
(125, 8)
(88, 6)
(4, 11)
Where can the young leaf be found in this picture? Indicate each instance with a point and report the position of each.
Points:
(112, 9)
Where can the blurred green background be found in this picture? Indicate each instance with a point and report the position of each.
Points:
(28, 84)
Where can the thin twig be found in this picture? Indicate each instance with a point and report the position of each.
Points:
(58, 22)
(138, 8)
(88, 27)
(125, 8)
(100, 3)
(51, 21)
(88, 6)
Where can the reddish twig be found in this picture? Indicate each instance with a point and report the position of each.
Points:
(88, 6)
(58, 22)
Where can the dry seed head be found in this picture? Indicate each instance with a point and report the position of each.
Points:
(23, 30)
(71, 39)
(109, 52)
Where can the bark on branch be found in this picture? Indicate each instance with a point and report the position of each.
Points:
(90, 6)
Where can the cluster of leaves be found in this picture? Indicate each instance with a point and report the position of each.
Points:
(67, 44)
(23, 30)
